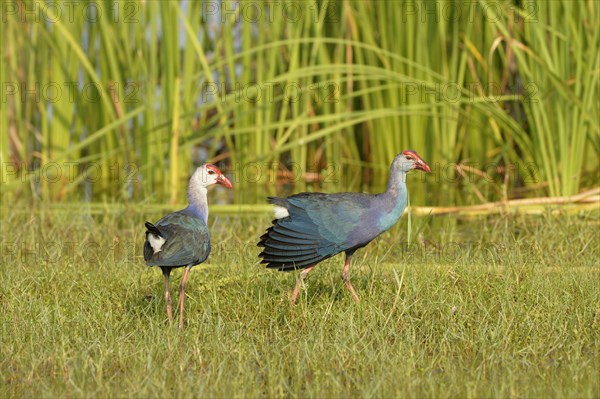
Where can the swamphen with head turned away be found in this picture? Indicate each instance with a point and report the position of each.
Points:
(181, 239)
(311, 227)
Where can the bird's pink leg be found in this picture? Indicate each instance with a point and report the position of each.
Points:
(182, 296)
(168, 295)
(346, 278)
(303, 274)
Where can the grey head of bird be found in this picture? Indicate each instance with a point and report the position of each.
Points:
(409, 160)
(207, 175)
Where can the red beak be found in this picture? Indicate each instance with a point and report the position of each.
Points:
(224, 181)
(419, 163)
(422, 165)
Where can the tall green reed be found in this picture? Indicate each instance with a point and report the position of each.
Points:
(308, 90)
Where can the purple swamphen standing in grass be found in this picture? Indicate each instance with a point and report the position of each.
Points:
(181, 239)
(311, 227)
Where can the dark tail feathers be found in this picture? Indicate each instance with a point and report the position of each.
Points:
(285, 251)
(153, 229)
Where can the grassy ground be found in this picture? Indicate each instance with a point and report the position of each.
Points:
(502, 307)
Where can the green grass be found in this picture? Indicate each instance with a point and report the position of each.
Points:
(491, 307)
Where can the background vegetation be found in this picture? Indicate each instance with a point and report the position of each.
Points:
(119, 100)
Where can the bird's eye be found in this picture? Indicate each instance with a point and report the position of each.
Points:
(211, 172)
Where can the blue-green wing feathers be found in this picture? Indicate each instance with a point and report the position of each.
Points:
(186, 241)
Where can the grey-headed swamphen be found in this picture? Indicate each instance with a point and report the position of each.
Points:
(181, 239)
(311, 227)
